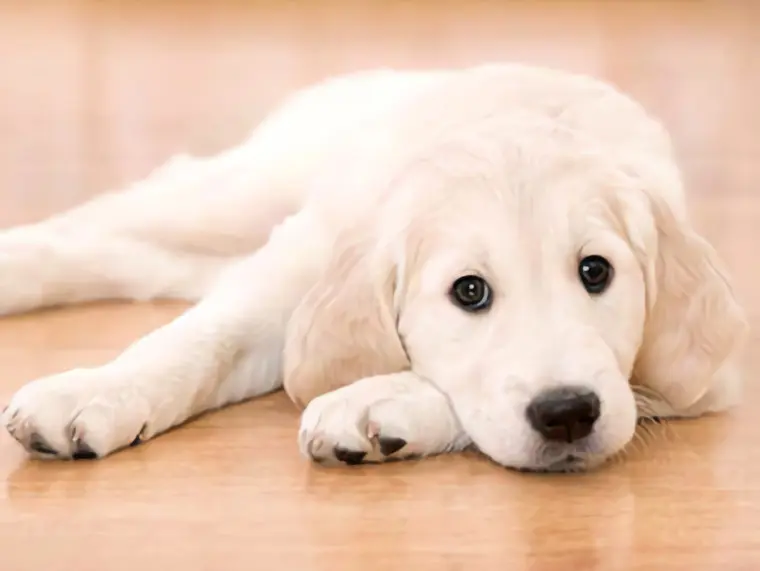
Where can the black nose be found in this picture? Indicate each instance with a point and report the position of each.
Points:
(565, 414)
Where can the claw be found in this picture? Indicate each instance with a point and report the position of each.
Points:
(350, 457)
(38, 444)
(390, 445)
(82, 451)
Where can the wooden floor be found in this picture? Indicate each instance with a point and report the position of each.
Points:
(95, 93)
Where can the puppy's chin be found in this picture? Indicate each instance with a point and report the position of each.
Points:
(565, 464)
(558, 458)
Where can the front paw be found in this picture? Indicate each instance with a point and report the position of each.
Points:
(342, 427)
(80, 414)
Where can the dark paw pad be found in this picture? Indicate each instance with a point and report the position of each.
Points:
(83, 452)
(350, 457)
(38, 444)
(390, 445)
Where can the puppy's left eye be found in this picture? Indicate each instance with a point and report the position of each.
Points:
(595, 273)
(471, 293)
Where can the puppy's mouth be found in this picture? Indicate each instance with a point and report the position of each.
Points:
(566, 464)
(556, 462)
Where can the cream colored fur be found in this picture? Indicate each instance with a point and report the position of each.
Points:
(322, 250)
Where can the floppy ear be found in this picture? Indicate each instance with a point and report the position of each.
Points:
(695, 327)
(345, 327)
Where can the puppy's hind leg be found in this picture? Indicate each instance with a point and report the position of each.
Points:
(168, 236)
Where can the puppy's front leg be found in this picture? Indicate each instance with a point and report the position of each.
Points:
(387, 417)
(226, 349)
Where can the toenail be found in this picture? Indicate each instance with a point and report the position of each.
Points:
(138, 438)
(350, 457)
(82, 451)
(37, 444)
(390, 445)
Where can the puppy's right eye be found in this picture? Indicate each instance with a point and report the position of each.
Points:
(595, 273)
(471, 293)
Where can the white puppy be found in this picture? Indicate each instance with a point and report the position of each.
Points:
(497, 256)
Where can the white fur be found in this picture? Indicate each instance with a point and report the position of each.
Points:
(323, 249)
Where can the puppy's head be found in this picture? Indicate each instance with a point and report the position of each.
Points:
(536, 297)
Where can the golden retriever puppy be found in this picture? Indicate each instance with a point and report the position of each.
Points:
(497, 256)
